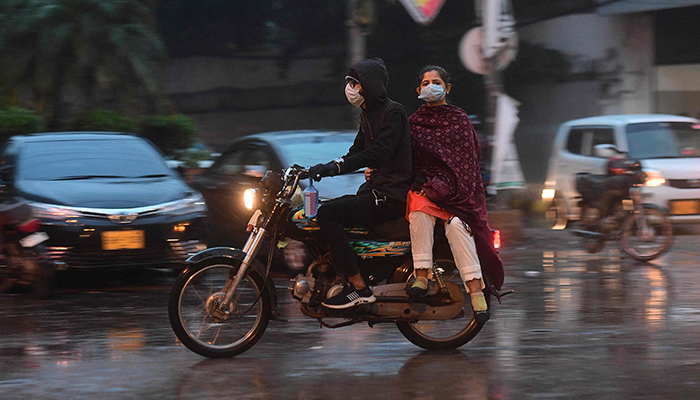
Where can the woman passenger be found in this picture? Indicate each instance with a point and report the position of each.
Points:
(448, 188)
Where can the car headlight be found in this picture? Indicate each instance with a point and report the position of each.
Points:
(190, 205)
(52, 212)
(654, 178)
(547, 194)
(250, 199)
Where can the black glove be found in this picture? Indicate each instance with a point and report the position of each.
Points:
(319, 171)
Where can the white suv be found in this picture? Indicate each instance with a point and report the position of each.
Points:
(668, 147)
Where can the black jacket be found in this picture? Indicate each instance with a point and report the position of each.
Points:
(384, 139)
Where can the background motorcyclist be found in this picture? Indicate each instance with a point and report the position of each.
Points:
(383, 144)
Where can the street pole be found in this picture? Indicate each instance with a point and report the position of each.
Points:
(357, 38)
(356, 35)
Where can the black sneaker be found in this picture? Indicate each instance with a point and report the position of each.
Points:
(350, 297)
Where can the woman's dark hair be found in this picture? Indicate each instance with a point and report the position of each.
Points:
(441, 71)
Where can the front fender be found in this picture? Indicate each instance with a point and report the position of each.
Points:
(239, 255)
(226, 252)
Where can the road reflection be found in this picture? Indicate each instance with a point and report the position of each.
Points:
(578, 289)
(577, 321)
(413, 377)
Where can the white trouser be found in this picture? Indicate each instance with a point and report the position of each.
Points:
(461, 244)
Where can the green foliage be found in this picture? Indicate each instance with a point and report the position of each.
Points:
(169, 133)
(18, 121)
(102, 121)
(101, 47)
(192, 157)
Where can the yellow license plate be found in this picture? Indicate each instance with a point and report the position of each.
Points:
(123, 240)
(685, 207)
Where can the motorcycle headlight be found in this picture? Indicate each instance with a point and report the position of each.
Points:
(654, 178)
(189, 205)
(250, 200)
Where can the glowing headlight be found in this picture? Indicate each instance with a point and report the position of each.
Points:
(52, 212)
(654, 178)
(547, 194)
(249, 198)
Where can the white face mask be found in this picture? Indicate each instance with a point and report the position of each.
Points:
(432, 93)
(353, 95)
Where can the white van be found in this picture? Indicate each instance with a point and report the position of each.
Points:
(668, 147)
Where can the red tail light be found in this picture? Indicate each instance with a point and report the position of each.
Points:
(496, 239)
(29, 226)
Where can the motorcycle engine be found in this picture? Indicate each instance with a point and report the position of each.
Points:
(302, 287)
(335, 289)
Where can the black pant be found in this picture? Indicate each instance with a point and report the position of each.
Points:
(354, 211)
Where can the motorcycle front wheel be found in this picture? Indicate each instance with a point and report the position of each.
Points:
(646, 244)
(590, 223)
(206, 327)
(445, 334)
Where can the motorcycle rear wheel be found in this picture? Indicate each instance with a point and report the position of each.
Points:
(658, 239)
(444, 334)
(191, 302)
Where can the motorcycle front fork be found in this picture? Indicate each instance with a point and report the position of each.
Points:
(639, 210)
(250, 249)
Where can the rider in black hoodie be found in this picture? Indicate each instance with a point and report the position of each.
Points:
(383, 144)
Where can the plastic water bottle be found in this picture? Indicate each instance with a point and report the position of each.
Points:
(310, 200)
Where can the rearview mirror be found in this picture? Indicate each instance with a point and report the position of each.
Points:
(605, 150)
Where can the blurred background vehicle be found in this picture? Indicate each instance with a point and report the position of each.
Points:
(246, 160)
(105, 200)
(22, 260)
(667, 146)
(612, 208)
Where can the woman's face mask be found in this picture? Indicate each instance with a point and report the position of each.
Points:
(432, 93)
(352, 92)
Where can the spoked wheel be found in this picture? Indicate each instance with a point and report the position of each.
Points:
(445, 334)
(646, 244)
(200, 320)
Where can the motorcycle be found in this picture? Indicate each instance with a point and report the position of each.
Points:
(612, 208)
(21, 254)
(221, 303)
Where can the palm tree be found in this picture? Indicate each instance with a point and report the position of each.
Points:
(104, 47)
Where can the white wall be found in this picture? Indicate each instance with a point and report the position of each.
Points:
(621, 45)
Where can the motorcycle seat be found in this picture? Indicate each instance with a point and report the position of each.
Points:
(592, 186)
(393, 231)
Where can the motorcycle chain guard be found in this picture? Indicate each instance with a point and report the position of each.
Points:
(389, 303)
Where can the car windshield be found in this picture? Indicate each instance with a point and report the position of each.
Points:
(87, 159)
(663, 140)
(319, 149)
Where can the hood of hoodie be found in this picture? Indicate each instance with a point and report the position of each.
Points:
(374, 79)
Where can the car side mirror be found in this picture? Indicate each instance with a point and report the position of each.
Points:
(254, 171)
(605, 150)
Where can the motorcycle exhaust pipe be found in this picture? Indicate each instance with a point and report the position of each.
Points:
(588, 234)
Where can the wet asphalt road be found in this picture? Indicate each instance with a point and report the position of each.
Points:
(580, 326)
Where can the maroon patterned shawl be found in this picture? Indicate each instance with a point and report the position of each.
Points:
(446, 152)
